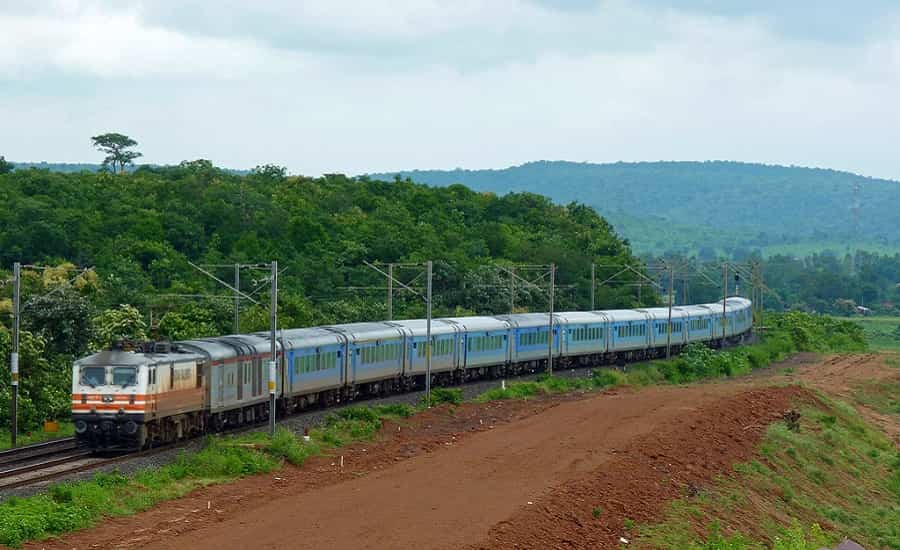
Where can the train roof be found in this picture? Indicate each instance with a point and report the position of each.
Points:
(366, 332)
(253, 343)
(478, 323)
(578, 317)
(619, 315)
(214, 349)
(309, 337)
(527, 320)
(739, 302)
(419, 327)
(694, 311)
(731, 304)
(662, 313)
(120, 358)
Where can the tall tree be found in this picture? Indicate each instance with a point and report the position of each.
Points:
(116, 146)
(5, 167)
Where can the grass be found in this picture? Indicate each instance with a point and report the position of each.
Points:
(66, 429)
(440, 396)
(545, 385)
(836, 471)
(883, 397)
(71, 506)
(882, 333)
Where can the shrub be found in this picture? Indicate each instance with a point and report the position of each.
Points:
(518, 390)
(439, 396)
(285, 445)
(366, 414)
(394, 409)
(605, 378)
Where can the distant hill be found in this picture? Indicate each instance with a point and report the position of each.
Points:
(64, 167)
(708, 207)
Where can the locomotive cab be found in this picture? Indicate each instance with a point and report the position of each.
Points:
(109, 396)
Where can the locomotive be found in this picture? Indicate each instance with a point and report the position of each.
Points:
(134, 396)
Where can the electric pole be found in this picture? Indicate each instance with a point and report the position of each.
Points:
(390, 293)
(593, 283)
(724, 299)
(14, 354)
(512, 289)
(237, 299)
(428, 303)
(273, 364)
(550, 335)
(428, 337)
(669, 322)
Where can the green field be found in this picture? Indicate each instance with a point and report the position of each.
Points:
(882, 333)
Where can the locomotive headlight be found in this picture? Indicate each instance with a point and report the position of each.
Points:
(80, 426)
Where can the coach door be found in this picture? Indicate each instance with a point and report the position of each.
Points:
(256, 375)
(151, 390)
(220, 382)
(240, 368)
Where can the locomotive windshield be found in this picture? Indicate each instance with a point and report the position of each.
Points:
(93, 376)
(124, 376)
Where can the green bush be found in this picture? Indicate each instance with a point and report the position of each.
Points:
(285, 445)
(605, 378)
(439, 396)
(401, 410)
(516, 390)
(820, 333)
(644, 375)
(366, 414)
(716, 540)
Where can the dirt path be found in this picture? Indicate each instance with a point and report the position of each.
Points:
(501, 475)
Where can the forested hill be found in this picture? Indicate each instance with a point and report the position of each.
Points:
(718, 206)
(141, 229)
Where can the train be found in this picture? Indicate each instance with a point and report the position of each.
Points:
(137, 395)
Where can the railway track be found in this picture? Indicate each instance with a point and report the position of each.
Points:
(32, 463)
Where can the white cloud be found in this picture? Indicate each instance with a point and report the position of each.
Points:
(119, 45)
(482, 83)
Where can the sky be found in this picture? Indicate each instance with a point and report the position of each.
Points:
(347, 86)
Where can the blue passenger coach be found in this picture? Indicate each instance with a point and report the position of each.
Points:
(207, 384)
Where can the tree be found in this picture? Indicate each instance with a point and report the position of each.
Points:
(191, 322)
(116, 148)
(121, 323)
(5, 167)
(63, 320)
